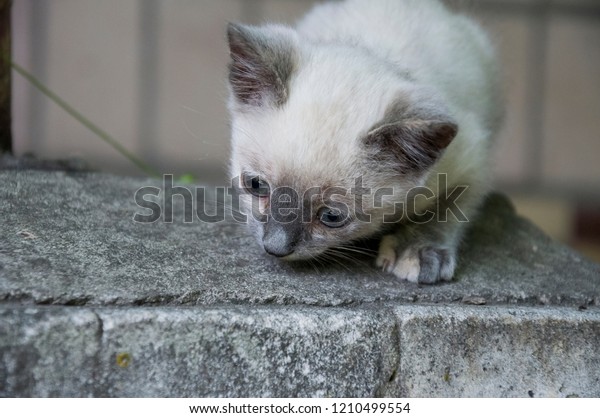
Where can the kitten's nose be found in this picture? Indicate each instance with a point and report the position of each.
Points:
(279, 239)
(278, 251)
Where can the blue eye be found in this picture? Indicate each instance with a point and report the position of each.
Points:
(333, 218)
(256, 186)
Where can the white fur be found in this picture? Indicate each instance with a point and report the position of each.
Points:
(354, 58)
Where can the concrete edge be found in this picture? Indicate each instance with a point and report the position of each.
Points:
(281, 351)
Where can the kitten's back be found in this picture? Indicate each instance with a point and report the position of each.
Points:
(437, 47)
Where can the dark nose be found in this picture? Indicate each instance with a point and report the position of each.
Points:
(279, 239)
(278, 251)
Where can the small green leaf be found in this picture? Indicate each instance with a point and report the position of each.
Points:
(186, 179)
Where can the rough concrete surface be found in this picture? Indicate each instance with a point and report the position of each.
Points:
(94, 304)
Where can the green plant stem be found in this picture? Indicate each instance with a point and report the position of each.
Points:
(85, 121)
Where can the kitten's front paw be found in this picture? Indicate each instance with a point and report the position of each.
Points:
(416, 263)
(386, 258)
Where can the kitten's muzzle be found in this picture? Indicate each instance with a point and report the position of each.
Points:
(280, 239)
(278, 252)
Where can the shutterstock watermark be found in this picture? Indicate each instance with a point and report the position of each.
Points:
(251, 197)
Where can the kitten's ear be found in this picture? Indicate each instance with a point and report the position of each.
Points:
(410, 145)
(262, 62)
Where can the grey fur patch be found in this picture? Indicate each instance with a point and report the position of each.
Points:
(262, 63)
(410, 138)
(431, 260)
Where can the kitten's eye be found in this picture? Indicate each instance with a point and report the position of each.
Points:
(333, 218)
(256, 186)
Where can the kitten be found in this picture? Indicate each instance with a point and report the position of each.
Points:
(369, 118)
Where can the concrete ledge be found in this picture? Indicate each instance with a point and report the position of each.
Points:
(198, 352)
(498, 351)
(415, 351)
(93, 304)
(69, 239)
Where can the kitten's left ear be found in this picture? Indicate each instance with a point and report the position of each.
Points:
(411, 145)
(262, 62)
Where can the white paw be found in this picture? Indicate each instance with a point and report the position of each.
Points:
(408, 266)
(386, 258)
(417, 263)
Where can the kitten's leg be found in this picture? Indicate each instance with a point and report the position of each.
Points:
(426, 252)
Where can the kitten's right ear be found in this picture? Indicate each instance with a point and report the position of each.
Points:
(262, 62)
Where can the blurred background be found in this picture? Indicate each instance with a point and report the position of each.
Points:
(152, 73)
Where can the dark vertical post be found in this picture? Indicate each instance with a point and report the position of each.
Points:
(5, 54)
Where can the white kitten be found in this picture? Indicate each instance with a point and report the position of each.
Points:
(367, 112)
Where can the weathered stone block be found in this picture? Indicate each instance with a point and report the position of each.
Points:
(94, 304)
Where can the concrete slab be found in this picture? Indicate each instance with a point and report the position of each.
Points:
(69, 238)
(498, 351)
(194, 352)
(94, 304)
(289, 351)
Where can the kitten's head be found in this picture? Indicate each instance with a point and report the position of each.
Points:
(320, 134)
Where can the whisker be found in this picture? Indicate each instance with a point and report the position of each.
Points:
(361, 251)
(335, 254)
(365, 266)
(329, 257)
(247, 134)
(310, 261)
